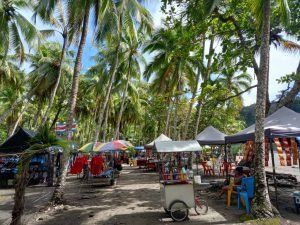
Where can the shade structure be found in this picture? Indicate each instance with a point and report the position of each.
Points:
(18, 142)
(177, 146)
(211, 136)
(139, 148)
(161, 137)
(113, 146)
(89, 147)
(282, 123)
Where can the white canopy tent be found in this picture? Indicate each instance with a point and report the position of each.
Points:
(161, 137)
(211, 136)
(177, 146)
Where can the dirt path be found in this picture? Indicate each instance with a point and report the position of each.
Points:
(135, 200)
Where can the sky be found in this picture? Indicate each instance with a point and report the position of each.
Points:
(281, 63)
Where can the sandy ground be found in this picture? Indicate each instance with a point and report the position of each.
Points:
(135, 200)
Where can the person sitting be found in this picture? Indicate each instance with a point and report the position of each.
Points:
(234, 181)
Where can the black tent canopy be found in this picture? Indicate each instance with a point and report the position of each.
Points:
(211, 136)
(282, 123)
(18, 142)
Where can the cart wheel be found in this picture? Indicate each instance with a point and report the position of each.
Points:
(167, 211)
(179, 211)
(112, 182)
(201, 207)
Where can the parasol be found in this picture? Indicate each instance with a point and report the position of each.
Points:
(113, 146)
(89, 147)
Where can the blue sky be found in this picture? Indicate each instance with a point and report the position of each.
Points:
(281, 63)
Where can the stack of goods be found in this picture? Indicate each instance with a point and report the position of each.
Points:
(38, 169)
(177, 175)
(294, 151)
(280, 151)
(287, 149)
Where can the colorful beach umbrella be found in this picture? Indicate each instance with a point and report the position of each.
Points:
(89, 147)
(113, 146)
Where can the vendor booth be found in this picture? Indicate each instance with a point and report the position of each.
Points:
(281, 131)
(216, 140)
(41, 166)
(176, 177)
(150, 161)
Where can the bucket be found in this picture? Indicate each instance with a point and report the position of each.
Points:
(197, 179)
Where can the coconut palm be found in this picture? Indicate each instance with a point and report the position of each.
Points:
(128, 14)
(16, 30)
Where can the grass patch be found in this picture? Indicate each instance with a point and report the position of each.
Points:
(249, 219)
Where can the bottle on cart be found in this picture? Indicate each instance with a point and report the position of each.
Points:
(183, 174)
(175, 174)
(171, 174)
(166, 173)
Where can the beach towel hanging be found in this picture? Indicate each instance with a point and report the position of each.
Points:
(294, 151)
(266, 152)
(287, 149)
(280, 151)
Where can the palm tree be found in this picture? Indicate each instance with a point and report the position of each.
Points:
(262, 207)
(46, 71)
(127, 14)
(173, 66)
(130, 66)
(15, 28)
(61, 26)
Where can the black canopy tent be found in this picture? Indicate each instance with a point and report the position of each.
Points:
(18, 142)
(282, 123)
(211, 136)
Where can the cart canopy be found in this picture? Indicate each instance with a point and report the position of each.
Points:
(211, 136)
(177, 146)
(161, 137)
(282, 123)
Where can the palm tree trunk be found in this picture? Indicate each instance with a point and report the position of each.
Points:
(199, 110)
(58, 194)
(169, 115)
(57, 114)
(117, 133)
(38, 113)
(24, 100)
(105, 123)
(175, 118)
(107, 95)
(53, 94)
(19, 198)
(18, 120)
(261, 207)
(188, 117)
(77, 67)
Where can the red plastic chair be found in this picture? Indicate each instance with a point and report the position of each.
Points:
(207, 169)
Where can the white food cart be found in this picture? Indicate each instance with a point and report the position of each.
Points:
(176, 177)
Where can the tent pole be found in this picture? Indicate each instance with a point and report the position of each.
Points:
(274, 173)
(226, 159)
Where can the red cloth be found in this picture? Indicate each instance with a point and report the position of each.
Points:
(78, 164)
(96, 165)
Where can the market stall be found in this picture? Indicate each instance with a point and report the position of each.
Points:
(176, 177)
(281, 130)
(216, 140)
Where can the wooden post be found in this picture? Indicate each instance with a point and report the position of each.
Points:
(274, 173)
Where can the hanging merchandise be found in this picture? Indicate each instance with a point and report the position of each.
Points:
(280, 152)
(294, 151)
(286, 146)
(266, 152)
(96, 165)
(78, 164)
(249, 151)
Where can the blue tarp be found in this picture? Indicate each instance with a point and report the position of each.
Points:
(139, 148)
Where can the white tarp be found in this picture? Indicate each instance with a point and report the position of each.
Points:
(177, 146)
(161, 137)
(282, 123)
(211, 136)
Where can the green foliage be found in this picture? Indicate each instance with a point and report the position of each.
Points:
(288, 78)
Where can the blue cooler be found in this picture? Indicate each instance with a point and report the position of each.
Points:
(296, 196)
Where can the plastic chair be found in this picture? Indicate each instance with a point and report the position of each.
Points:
(207, 169)
(246, 192)
(225, 166)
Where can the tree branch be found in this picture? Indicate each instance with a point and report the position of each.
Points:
(238, 94)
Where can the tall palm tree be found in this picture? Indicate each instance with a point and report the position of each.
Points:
(15, 28)
(261, 204)
(173, 66)
(58, 19)
(130, 66)
(127, 13)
